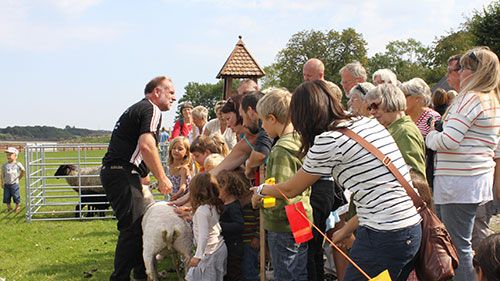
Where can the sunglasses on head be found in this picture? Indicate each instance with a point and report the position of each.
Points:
(373, 106)
(472, 56)
(361, 89)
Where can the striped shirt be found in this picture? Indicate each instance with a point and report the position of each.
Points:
(466, 146)
(422, 120)
(381, 202)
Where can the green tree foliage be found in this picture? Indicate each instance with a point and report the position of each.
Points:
(485, 26)
(204, 94)
(26, 133)
(408, 59)
(451, 44)
(334, 48)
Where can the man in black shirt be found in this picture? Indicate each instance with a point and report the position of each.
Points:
(131, 154)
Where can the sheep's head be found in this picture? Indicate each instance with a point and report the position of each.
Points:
(64, 170)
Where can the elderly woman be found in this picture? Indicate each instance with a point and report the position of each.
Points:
(465, 150)
(219, 125)
(418, 101)
(388, 225)
(384, 75)
(200, 116)
(387, 103)
(357, 103)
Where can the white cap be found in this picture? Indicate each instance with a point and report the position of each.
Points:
(12, 150)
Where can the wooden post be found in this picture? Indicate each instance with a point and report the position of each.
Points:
(262, 234)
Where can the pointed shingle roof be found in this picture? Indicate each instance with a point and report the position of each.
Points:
(240, 64)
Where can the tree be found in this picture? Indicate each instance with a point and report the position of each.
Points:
(333, 48)
(452, 44)
(205, 94)
(408, 59)
(485, 26)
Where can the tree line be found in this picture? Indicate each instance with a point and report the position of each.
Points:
(407, 58)
(46, 133)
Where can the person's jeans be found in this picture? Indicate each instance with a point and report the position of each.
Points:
(11, 191)
(459, 221)
(375, 251)
(289, 259)
(250, 263)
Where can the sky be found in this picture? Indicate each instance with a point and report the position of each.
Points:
(83, 62)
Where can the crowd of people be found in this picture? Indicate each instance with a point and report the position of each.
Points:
(445, 144)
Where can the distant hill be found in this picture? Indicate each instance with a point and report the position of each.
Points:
(46, 133)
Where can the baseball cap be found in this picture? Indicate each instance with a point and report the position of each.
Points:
(11, 149)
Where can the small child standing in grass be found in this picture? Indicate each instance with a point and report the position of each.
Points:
(209, 260)
(12, 172)
(233, 185)
(179, 166)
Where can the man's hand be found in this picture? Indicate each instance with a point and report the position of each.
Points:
(165, 187)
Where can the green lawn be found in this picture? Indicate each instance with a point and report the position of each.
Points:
(56, 250)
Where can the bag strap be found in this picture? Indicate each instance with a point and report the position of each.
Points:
(417, 200)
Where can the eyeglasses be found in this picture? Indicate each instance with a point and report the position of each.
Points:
(450, 70)
(361, 89)
(373, 106)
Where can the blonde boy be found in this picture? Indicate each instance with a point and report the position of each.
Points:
(12, 172)
(289, 259)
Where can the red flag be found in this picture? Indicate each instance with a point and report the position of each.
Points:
(300, 226)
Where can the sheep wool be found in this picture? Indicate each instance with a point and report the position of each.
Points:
(163, 232)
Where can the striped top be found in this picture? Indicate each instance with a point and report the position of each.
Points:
(381, 202)
(466, 146)
(422, 120)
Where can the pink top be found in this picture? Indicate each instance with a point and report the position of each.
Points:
(422, 120)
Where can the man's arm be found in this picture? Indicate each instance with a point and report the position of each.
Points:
(149, 151)
(237, 157)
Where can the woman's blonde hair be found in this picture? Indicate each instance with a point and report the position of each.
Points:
(185, 143)
(485, 77)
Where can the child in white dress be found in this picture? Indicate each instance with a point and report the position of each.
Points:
(209, 261)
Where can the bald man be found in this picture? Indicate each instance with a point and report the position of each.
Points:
(314, 69)
(247, 86)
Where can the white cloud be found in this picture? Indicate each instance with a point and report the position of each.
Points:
(72, 8)
(21, 30)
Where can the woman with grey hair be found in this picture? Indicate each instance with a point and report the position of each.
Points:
(200, 116)
(357, 103)
(418, 101)
(387, 104)
(384, 76)
(218, 125)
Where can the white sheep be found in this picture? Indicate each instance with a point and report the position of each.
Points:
(163, 232)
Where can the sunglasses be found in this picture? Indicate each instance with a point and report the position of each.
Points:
(361, 89)
(472, 56)
(373, 106)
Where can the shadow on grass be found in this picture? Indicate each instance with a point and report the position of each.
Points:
(12, 217)
(91, 266)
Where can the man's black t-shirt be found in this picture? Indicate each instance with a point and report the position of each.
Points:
(142, 117)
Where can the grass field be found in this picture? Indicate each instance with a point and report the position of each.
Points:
(56, 250)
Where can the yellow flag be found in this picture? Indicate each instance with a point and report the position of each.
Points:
(384, 276)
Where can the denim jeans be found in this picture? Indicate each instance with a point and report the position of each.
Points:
(11, 191)
(459, 221)
(289, 259)
(375, 251)
(250, 263)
